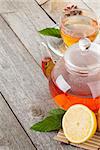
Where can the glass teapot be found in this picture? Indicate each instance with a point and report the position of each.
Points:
(75, 77)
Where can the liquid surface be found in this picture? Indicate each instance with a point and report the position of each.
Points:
(65, 100)
(75, 27)
(69, 98)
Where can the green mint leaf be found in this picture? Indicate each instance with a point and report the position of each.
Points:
(57, 111)
(51, 32)
(51, 123)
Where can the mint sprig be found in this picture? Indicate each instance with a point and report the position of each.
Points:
(52, 122)
(51, 32)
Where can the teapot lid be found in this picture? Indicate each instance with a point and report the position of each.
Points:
(83, 57)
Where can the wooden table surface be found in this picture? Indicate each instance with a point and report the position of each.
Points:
(24, 93)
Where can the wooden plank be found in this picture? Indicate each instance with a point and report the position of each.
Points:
(95, 5)
(26, 23)
(25, 88)
(41, 2)
(5, 6)
(12, 136)
(10, 6)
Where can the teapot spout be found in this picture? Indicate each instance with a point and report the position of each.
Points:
(48, 62)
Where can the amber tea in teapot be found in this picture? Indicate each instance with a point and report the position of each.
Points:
(81, 95)
(75, 78)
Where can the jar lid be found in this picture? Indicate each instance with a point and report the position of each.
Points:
(83, 57)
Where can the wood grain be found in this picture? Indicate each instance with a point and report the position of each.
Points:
(10, 6)
(12, 136)
(21, 80)
(24, 87)
(26, 23)
(95, 5)
(57, 13)
(41, 2)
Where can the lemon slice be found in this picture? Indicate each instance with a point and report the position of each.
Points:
(79, 124)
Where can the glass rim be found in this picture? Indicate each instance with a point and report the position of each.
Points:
(81, 9)
(62, 26)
